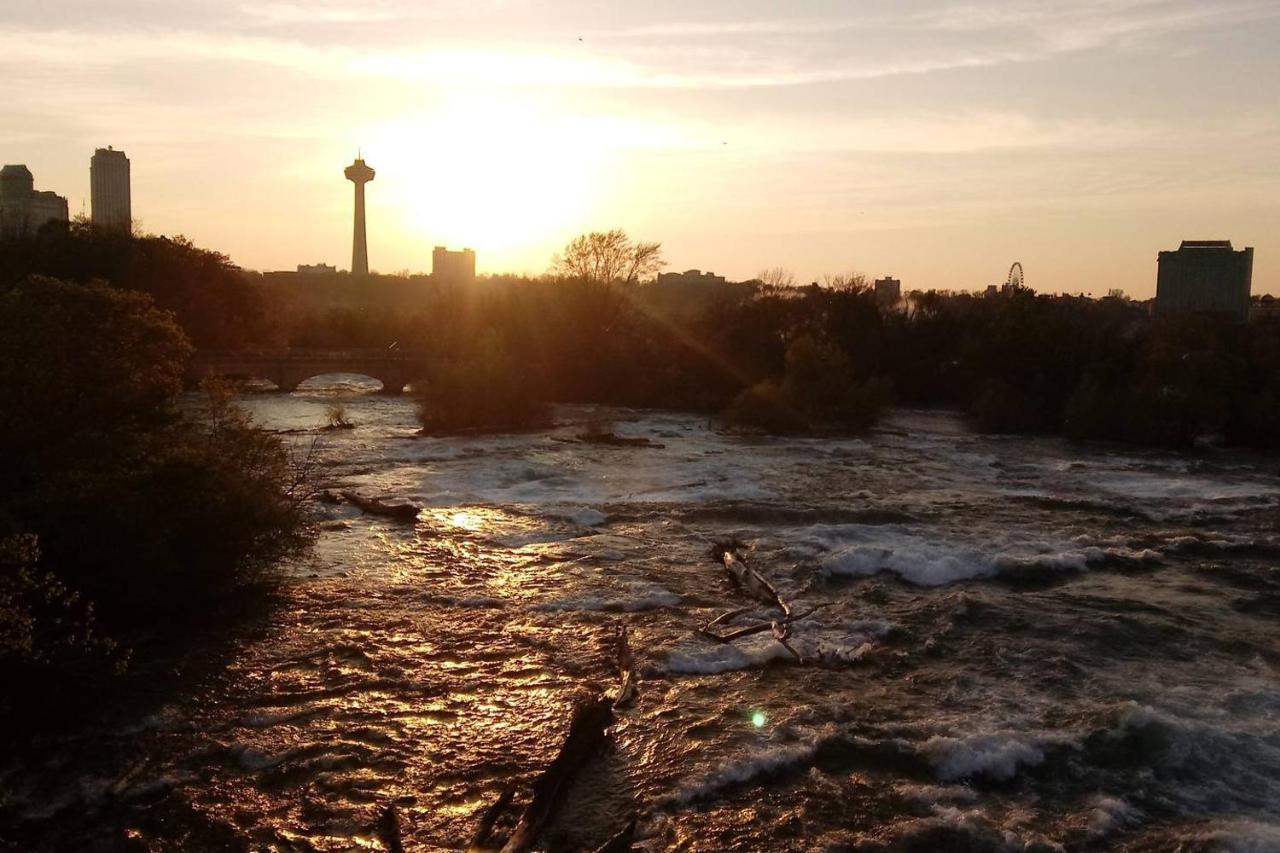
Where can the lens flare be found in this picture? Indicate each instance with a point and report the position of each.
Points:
(757, 719)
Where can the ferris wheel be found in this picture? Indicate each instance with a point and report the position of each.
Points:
(1015, 276)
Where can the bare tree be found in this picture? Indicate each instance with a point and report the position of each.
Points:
(607, 264)
(852, 282)
(608, 258)
(777, 277)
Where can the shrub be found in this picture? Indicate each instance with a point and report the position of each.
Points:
(768, 407)
(482, 389)
(818, 390)
(335, 415)
(146, 515)
(1001, 407)
(1092, 412)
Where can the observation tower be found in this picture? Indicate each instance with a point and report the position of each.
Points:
(359, 174)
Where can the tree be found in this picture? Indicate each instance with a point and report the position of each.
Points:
(121, 512)
(607, 258)
(605, 266)
(846, 282)
(777, 277)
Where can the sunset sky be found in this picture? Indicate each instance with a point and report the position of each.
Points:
(935, 141)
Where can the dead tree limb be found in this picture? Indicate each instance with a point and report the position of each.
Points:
(377, 506)
(488, 819)
(587, 730)
(388, 830)
(751, 580)
(620, 843)
(756, 585)
(627, 677)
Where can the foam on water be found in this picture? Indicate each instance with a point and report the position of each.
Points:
(998, 755)
(1124, 695)
(634, 597)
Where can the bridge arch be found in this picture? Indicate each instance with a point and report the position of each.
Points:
(387, 386)
(288, 369)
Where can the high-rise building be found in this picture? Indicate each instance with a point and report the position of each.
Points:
(1204, 276)
(888, 290)
(690, 278)
(359, 174)
(23, 209)
(453, 266)
(109, 190)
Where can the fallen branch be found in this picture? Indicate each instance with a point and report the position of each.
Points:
(749, 579)
(620, 843)
(758, 628)
(377, 506)
(586, 734)
(614, 440)
(388, 830)
(757, 586)
(626, 670)
(488, 819)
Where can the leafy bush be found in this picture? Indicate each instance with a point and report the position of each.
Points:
(481, 389)
(820, 379)
(147, 515)
(818, 390)
(766, 406)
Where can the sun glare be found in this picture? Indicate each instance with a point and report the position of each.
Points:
(500, 174)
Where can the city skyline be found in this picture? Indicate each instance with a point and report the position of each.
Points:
(915, 139)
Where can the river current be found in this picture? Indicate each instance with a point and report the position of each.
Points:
(1020, 644)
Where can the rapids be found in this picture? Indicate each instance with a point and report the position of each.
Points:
(1025, 644)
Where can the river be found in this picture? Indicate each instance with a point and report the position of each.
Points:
(1022, 644)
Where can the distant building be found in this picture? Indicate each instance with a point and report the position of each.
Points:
(689, 277)
(888, 290)
(317, 269)
(447, 265)
(110, 195)
(1265, 310)
(23, 209)
(1205, 276)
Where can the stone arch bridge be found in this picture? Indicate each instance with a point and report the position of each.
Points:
(289, 368)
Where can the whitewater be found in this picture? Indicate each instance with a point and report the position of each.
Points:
(1020, 644)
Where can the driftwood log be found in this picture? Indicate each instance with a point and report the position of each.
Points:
(613, 440)
(627, 677)
(586, 735)
(488, 819)
(620, 843)
(750, 580)
(377, 506)
(759, 588)
(388, 830)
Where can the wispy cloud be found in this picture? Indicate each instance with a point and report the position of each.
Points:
(725, 53)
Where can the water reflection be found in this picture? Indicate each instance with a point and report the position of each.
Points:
(432, 665)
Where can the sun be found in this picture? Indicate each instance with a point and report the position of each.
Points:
(498, 173)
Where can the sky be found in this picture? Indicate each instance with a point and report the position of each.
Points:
(938, 142)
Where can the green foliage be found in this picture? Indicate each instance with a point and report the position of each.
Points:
(47, 632)
(86, 370)
(818, 390)
(766, 406)
(151, 512)
(481, 388)
(820, 379)
(213, 301)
